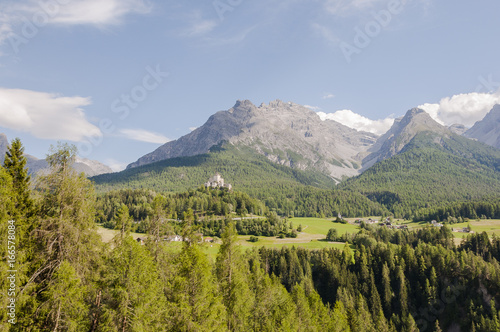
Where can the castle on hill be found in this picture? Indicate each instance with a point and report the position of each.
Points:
(217, 181)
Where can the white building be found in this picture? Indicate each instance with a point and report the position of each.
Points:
(217, 181)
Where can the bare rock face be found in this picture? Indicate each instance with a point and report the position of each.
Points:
(401, 133)
(488, 129)
(286, 133)
(458, 129)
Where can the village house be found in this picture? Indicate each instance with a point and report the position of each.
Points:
(436, 224)
(173, 238)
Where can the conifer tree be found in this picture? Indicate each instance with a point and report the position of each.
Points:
(231, 272)
(15, 164)
(197, 305)
(67, 246)
(133, 299)
(123, 221)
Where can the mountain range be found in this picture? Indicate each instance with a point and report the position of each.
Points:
(35, 165)
(286, 133)
(272, 151)
(276, 148)
(293, 135)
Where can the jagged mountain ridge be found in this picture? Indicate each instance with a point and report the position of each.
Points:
(488, 129)
(401, 133)
(35, 165)
(286, 133)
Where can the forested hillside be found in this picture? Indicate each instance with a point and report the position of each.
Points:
(287, 191)
(67, 279)
(432, 172)
(240, 166)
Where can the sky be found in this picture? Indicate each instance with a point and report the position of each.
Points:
(118, 78)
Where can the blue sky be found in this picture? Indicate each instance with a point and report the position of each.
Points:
(119, 77)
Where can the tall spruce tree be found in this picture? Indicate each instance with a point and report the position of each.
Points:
(67, 248)
(15, 164)
(231, 272)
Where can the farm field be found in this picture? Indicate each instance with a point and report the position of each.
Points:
(490, 226)
(314, 232)
(313, 236)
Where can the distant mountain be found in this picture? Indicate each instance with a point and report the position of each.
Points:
(4, 145)
(458, 129)
(419, 163)
(488, 129)
(401, 133)
(286, 133)
(35, 165)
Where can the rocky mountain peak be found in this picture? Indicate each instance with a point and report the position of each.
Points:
(458, 128)
(286, 133)
(488, 129)
(401, 133)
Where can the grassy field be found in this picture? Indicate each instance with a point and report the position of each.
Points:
(314, 232)
(313, 236)
(490, 226)
(108, 234)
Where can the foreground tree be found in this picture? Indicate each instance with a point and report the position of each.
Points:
(15, 165)
(231, 272)
(66, 249)
(6, 205)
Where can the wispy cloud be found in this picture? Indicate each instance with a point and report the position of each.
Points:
(328, 96)
(313, 108)
(198, 25)
(99, 13)
(201, 27)
(193, 128)
(353, 7)
(464, 108)
(341, 7)
(359, 122)
(115, 165)
(142, 135)
(46, 115)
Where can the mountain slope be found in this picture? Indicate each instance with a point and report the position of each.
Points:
(488, 129)
(283, 189)
(241, 166)
(433, 168)
(286, 133)
(401, 133)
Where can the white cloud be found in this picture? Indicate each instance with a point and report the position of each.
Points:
(115, 165)
(201, 27)
(464, 109)
(359, 122)
(14, 16)
(337, 7)
(46, 115)
(99, 12)
(193, 128)
(328, 96)
(144, 136)
(313, 108)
